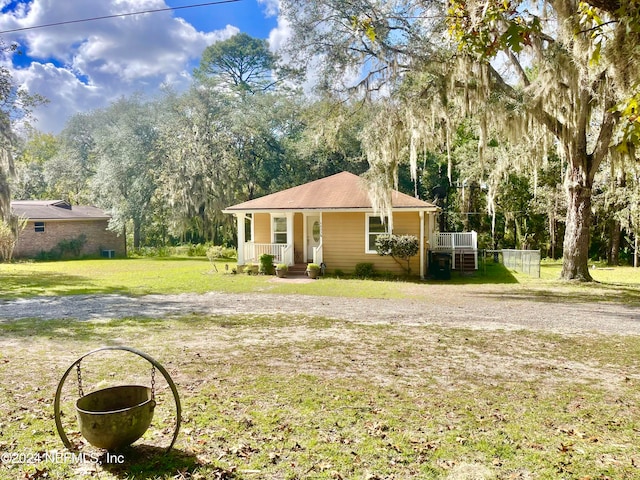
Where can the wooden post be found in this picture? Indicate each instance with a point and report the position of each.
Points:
(240, 217)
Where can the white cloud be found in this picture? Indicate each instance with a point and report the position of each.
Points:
(279, 36)
(66, 93)
(272, 7)
(86, 65)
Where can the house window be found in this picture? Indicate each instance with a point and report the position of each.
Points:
(374, 227)
(279, 229)
(39, 226)
(248, 228)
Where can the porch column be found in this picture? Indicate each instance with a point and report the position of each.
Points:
(240, 217)
(421, 245)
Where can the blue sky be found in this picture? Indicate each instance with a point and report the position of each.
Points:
(84, 66)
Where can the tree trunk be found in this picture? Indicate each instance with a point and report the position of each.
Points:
(614, 250)
(136, 234)
(575, 263)
(552, 234)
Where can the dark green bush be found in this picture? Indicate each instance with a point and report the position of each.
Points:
(64, 248)
(72, 247)
(364, 270)
(266, 264)
(47, 256)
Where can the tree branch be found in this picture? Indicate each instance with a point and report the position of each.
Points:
(501, 84)
(597, 27)
(609, 6)
(516, 64)
(604, 138)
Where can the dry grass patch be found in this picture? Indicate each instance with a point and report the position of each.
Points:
(287, 397)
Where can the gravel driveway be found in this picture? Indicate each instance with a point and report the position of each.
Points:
(448, 305)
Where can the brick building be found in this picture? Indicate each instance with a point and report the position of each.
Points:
(51, 221)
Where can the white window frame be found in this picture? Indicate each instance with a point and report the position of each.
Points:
(274, 232)
(39, 227)
(367, 233)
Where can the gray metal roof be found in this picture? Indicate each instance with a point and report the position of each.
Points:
(56, 210)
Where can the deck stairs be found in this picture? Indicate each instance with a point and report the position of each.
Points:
(465, 260)
(463, 246)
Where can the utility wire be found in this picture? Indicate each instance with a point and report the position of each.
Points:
(67, 22)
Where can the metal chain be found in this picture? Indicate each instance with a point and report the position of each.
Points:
(153, 383)
(80, 389)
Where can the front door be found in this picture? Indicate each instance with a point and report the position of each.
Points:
(313, 235)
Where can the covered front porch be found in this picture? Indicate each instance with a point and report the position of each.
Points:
(293, 237)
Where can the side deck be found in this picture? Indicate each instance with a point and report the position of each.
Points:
(463, 247)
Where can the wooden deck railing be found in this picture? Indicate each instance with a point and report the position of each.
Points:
(456, 240)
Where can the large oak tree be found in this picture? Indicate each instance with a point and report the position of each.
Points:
(538, 73)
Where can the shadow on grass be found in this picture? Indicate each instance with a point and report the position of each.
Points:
(20, 285)
(134, 329)
(76, 330)
(487, 274)
(490, 273)
(146, 462)
(591, 293)
(177, 259)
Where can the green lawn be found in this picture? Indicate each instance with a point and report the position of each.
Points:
(139, 276)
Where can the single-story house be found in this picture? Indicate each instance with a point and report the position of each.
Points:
(51, 221)
(331, 221)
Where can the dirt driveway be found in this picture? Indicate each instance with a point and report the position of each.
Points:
(482, 307)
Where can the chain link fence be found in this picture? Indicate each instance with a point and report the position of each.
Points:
(523, 261)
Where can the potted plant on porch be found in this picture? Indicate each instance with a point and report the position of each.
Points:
(281, 270)
(313, 270)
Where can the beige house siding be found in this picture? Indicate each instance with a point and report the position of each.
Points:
(298, 238)
(262, 228)
(344, 241)
(30, 243)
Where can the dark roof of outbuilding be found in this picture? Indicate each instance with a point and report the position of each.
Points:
(56, 210)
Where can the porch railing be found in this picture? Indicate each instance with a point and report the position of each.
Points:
(252, 251)
(456, 240)
(317, 254)
(287, 255)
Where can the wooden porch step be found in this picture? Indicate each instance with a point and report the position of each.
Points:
(298, 269)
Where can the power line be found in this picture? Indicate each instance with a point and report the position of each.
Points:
(67, 22)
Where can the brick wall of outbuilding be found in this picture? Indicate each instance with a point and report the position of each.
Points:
(30, 243)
